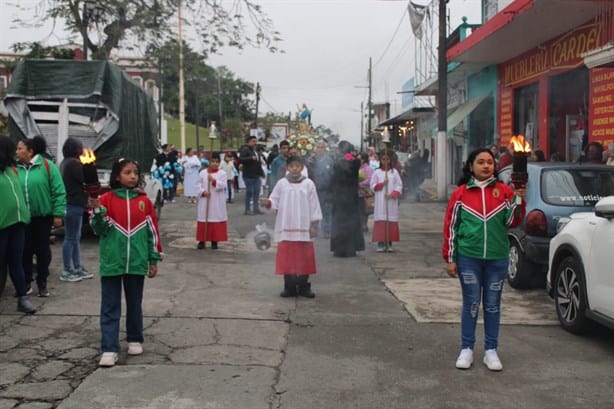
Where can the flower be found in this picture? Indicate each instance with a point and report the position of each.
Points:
(348, 156)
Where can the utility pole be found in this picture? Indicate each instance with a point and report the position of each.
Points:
(181, 82)
(257, 101)
(197, 114)
(362, 126)
(219, 108)
(442, 104)
(370, 108)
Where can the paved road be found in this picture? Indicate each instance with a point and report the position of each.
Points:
(382, 332)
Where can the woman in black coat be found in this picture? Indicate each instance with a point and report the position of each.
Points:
(346, 235)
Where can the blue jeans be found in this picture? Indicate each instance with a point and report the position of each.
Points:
(111, 310)
(12, 241)
(481, 279)
(71, 250)
(252, 192)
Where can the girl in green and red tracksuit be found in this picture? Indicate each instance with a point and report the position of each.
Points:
(476, 249)
(130, 248)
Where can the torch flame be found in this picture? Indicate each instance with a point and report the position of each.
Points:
(520, 144)
(87, 157)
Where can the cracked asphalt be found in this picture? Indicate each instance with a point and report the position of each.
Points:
(217, 335)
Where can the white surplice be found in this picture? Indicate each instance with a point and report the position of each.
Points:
(394, 185)
(191, 167)
(217, 201)
(297, 208)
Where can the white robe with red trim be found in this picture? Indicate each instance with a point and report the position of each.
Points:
(297, 208)
(217, 201)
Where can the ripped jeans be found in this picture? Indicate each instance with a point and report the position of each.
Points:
(481, 279)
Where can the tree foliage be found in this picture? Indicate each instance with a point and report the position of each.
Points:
(109, 23)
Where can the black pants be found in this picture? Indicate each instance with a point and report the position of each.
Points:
(292, 281)
(37, 244)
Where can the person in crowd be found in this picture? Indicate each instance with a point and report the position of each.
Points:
(14, 216)
(321, 165)
(387, 185)
(191, 167)
(610, 155)
(366, 196)
(76, 203)
(295, 199)
(212, 219)
(505, 158)
(538, 156)
(124, 260)
(228, 167)
(556, 157)
(278, 165)
(594, 152)
(272, 155)
(476, 249)
(237, 171)
(168, 171)
(373, 159)
(252, 174)
(346, 232)
(495, 152)
(45, 196)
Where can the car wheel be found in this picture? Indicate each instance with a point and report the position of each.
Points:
(520, 270)
(570, 296)
(158, 205)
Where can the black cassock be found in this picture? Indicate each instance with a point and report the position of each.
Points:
(346, 235)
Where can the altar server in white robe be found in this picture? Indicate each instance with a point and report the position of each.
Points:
(295, 199)
(212, 217)
(191, 167)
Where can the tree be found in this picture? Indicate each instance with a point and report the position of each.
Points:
(39, 51)
(210, 94)
(109, 23)
(328, 134)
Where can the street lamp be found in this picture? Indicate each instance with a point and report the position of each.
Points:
(212, 134)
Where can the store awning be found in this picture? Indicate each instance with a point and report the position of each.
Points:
(412, 113)
(464, 110)
(521, 26)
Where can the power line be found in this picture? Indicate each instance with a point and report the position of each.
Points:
(396, 31)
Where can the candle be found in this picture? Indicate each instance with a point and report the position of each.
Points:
(91, 184)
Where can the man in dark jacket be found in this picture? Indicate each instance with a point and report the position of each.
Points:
(252, 172)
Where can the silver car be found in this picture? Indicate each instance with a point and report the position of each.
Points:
(554, 190)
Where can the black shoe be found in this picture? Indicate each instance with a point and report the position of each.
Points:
(214, 245)
(28, 291)
(287, 293)
(42, 290)
(25, 305)
(201, 245)
(305, 291)
(258, 211)
(249, 213)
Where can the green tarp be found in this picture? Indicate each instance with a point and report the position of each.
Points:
(130, 125)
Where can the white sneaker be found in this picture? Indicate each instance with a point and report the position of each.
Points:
(465, 359)
(492, 361)
(108, 359)
(135, 348)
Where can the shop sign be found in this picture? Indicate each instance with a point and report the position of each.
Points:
(601, 114)
(560, 54)
(506, 118)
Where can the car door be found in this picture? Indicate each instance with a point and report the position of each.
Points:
(600, 274)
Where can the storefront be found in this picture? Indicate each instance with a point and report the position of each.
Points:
(555, 76)
(545, 95)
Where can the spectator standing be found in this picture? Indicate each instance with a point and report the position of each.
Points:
(76, 203)
(252, 174)
(14, 216)
(45, 196)
(191, 166)
(278, 165)
(476, 249)
(321, 165)
(124, 260)
(228, 167)
(610, 155)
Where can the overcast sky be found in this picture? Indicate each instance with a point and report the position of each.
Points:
(327, 46)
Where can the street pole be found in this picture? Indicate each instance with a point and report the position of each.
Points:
(442, 103)
(181, 82)
(197, 114)
(257, 101)
(84, 23)
(370, 108)
(362, 127)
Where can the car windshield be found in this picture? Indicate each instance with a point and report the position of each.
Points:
(576, 187)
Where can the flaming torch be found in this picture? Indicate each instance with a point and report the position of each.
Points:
(522, 150)
(91, 184)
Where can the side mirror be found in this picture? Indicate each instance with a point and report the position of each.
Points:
(605, 208)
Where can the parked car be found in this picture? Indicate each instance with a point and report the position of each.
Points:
(554, 190)
(580, 277)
